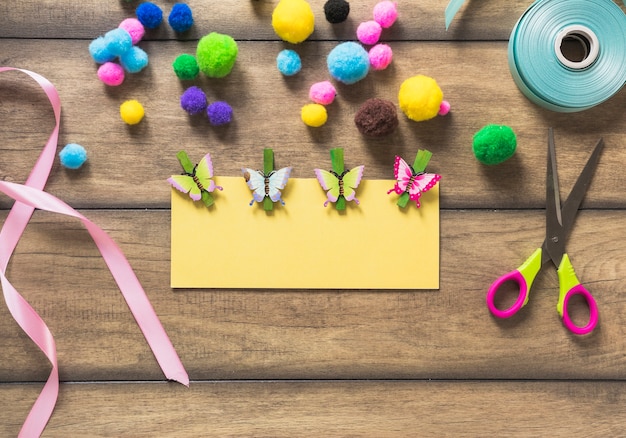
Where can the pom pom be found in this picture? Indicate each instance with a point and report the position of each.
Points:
(444, 108)
(118, 41)
(216, 54)
(73, 156)
(111, 74)
(323, 93)
(134, 28)
(149, 14)
(181, 18)
(369, 32)
(219, 113)
(193, 100)
(376, 118)
(385, 13)
(288, 62)
(336, 11)
(380, 56)
(134, 60)
(420, 98)
(293, 20)
(186, 67)
(348, 62)
(314, 115)
(99, 52)
(131, 112)
(494, 144)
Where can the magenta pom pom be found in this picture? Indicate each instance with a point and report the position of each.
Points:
(444, 108)
(134, 28)
(219, 113)
(385, 13)
(322, 92)
(369, 32)
(111, 74)
(380, 56)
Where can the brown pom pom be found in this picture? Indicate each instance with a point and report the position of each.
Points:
(376, 117)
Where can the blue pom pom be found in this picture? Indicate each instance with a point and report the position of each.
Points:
(181, 18)
(149, 14)
(348, 62)
(288, 62)
(134, 60)
(98, 51)
(73, 156)
(118, 41)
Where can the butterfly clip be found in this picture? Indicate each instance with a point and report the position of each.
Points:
(412, 181)
(195, 180)
(340, 184)
(266, 186)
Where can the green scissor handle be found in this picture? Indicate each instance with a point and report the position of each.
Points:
(569, 285)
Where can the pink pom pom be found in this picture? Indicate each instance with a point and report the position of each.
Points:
(111, 73)
(134, 28)
(368, 32)
(322, 92)
(380, 56)
(444, 108)
(385, 13)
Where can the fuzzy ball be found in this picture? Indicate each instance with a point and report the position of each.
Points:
(444, 108)
(180, 18)
(385, 13)
(99, 52)
(420, 98)
(288, 62)
(111, 74)
(336, 11)
(73, 156)
(193, 100)
(219, 113)
(376, 118)
(369, 32)
(118, 41)
(186, 67)
(293, 20)
(348, 62)
(322, 92)
(135, 60)
(134, 28)
(149, 14)
(314, 115)
(494, 144)
(132, 112)
(216, 54)
(380, 56)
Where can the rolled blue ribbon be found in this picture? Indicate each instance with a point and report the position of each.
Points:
(546, 76)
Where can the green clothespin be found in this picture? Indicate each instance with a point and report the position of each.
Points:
(336, 160)
(268, 168)
(190, 169)
(266, 185)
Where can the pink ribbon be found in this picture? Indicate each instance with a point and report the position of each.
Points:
(29, 196)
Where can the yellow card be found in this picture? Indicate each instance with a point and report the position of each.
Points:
(304, 245)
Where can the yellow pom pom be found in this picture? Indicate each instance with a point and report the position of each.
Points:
(131, 112)
(293, 20)
(314, 115)
(420, 98)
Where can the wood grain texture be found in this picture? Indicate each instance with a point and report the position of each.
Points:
(305, 362)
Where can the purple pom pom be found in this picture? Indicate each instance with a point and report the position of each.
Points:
(220, 113)
(193, 100)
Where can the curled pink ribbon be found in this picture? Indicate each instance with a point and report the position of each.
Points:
(29, 196)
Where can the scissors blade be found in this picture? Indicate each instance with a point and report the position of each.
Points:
(554, 229)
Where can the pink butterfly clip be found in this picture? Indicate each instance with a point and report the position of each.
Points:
(412, 182)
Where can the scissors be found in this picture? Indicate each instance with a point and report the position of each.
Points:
(559, 223)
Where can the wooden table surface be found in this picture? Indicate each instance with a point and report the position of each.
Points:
(306, 362)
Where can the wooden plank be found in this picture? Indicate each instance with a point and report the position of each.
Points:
(327, 408)
(251, 20)
(302, 334)
(127, 167)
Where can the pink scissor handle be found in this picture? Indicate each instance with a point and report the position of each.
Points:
(517, 277)
(579, 289)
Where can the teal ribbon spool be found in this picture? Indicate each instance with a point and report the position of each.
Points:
(551, 78)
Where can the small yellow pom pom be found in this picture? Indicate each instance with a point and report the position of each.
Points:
(293, 20)
(132, 112)
(314, 115)
(420, 98)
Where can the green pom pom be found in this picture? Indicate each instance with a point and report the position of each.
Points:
(494, 144)
(186, 67)
(216, 54)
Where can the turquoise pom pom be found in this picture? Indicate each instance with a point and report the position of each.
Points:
(99, 52)
(73, 156)
(288, 62)
(134, 60)
(118, 41)
(348, 62)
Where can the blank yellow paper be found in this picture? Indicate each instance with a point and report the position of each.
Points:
(304, 245)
